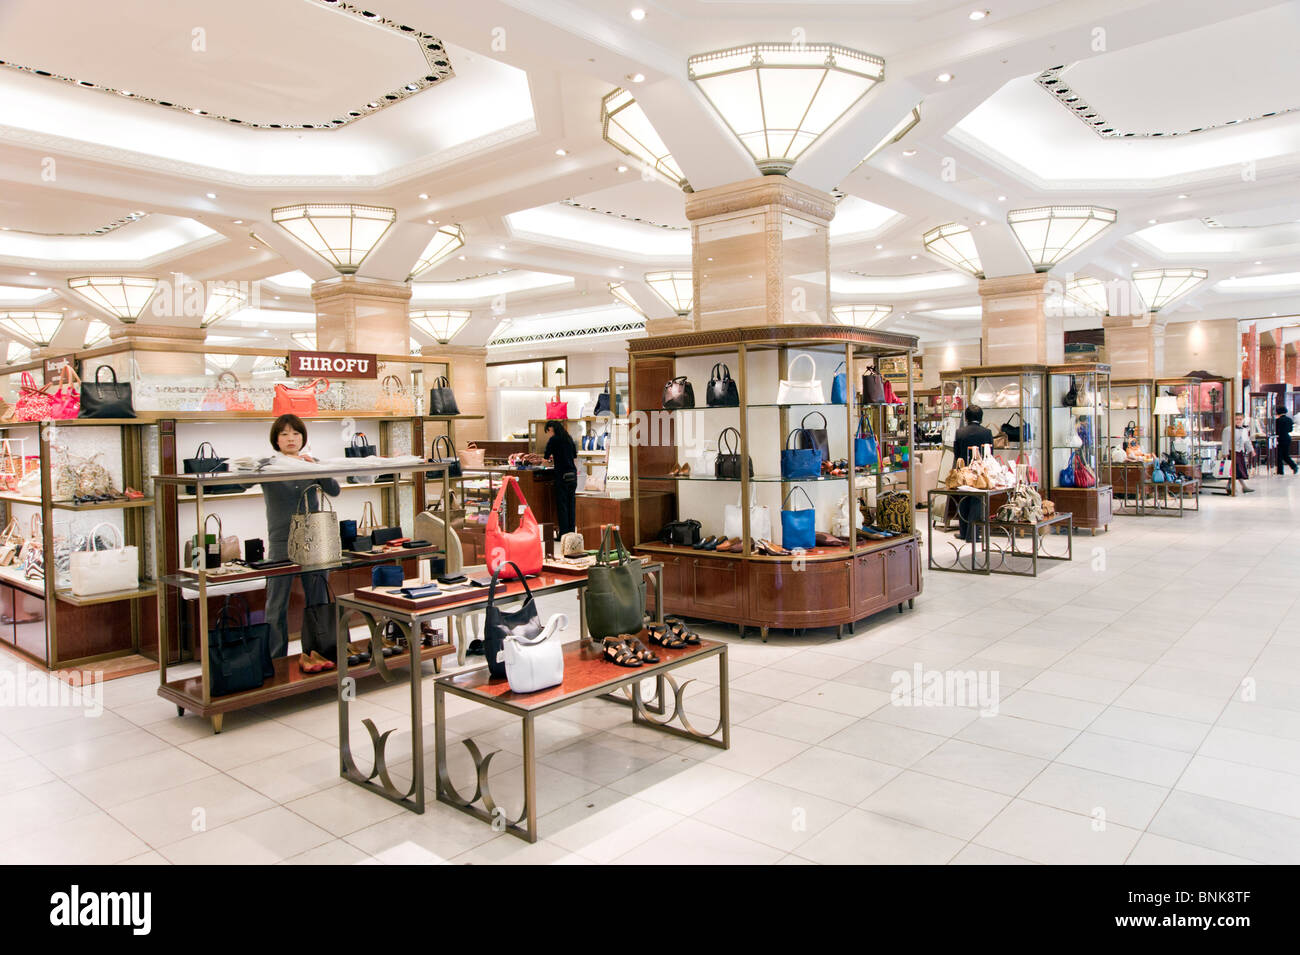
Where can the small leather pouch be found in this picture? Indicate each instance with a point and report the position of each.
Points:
(387, 575)
(362, 544)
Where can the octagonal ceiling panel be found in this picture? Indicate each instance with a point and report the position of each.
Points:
(314, 63)
(54, 214)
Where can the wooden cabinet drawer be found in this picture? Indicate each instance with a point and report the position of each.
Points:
(901, 572)
(869, 584)
(717, 587)
(678, 586)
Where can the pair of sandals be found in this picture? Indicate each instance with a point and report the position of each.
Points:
(98, 498)
(627, 650)
(673, 634)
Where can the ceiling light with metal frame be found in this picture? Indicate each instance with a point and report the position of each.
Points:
(1159, 287)
(96, 333)
(955, 244)
(122, 296)
(341, 233)
(306, 341)
(440, 324)
(625, 126)
(1089, 293)
(778, 98)
(620, 292)
(444, 242)
(1049, 234)
(676, 288)
(17, 352)
(37, 327)
(222, 302)
(861, 314)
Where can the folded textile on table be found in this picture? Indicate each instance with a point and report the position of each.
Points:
(280, 463)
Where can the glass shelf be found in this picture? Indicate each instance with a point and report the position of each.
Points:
(770, 478)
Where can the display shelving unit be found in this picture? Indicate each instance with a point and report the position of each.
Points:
(1214, 409)
(823, 587)
(1075, 433)
(1007, 393)
(1190, 454)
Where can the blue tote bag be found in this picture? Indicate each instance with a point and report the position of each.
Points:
(798, 528)
(839, 387)
(864, 444)
(800, 462)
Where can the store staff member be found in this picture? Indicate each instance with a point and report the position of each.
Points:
(1283, 425)
(289, 437)
(1235, 445)
(563, 455)
(972, 434)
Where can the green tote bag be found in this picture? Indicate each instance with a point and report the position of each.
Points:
(615, 594)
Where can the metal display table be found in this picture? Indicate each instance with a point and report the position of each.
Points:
(1015, 530)
(587, 674)
(410, 622)
(979, 542)
(983, 547)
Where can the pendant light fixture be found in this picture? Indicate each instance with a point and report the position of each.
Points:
(37, 327)
(676, 288)
(1159, 287)
(620, 292)
(96, 332)
(222, 302)
(444, 242)
(861, 315)
(122, 296)
(341, 233)
(625, 126)
(1089, 293)
(778, 98)
(1049, 234)
(440, 324)
(955, 244)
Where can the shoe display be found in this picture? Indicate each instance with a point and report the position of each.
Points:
(705, 544)
(618, 651)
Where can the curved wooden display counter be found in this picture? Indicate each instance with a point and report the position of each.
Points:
(829, 587)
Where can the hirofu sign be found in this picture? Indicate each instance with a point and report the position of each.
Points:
(332, 364)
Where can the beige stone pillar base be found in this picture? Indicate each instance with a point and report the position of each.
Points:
(1015, 327)
(760, 252)
(669, 326)
(362, 315)
(1135, 347)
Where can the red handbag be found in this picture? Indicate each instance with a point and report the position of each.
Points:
(522, 546)
(890, 397)
(34, 404)
(299, 401)
(1031, 472)
(557, 410)
(1083, 476)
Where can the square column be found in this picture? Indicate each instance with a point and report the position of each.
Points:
(760, 253)
(1135, 347)
(1016, 328)
(362, 315)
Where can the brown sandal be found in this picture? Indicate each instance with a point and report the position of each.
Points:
(665, 637)
(618, 651)
(643, 653)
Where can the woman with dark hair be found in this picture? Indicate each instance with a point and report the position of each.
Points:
(563, 455)
(289, 438)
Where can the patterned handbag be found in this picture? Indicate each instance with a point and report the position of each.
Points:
(314, 535)
(227, 395)
(894, 511)
(34, 404)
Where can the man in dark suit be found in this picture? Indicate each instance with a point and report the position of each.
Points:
(972, 434)
(1283, 425)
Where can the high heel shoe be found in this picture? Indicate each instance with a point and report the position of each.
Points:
(684, 470)
(676, 470)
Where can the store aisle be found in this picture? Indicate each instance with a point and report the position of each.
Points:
(1147, 711)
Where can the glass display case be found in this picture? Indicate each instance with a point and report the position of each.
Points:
(928, 415)
(1078, 402)
(1128, 414)
(1012, 399)
(1177, 436)
(1212, 414)
(1262, 432)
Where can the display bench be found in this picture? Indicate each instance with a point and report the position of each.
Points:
(194, 694)
(815, 586)
(1077, 403)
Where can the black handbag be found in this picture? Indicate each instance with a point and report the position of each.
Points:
(101, 399)
(239, 653)
(1016, 432)
(210, 463)
(680, 532)
(873, 388)
(450, 459)
(382, 535)
(814, 437)
(499, 624)
(602, 404)
(362, 448)
(727, 465)
(678, 393)
(722, 391)
(441, 399)
(1072, 395)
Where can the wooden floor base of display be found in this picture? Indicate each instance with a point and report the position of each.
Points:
(288, 681)
(114, 669)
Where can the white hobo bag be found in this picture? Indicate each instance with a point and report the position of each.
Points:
(801, 391)
(537, 663)
(760, 521)
(104, 570)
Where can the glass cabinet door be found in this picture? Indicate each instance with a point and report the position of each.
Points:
(1213, 415)
(1176, 414)
(1013, 405)
(1075, 413)
(1129, 416)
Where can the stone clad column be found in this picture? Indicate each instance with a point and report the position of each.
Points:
(362, 315)
(1135, 348)
(1016, 328)
(760, 252)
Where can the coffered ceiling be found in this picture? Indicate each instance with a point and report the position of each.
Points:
(487, 115)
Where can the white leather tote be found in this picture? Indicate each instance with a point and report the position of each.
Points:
(104, 570)
(760, 521)
(536, 663)
(801, 391)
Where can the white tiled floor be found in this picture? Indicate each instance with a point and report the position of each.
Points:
(1148, 712)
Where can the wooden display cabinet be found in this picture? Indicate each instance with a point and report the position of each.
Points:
(822, 586)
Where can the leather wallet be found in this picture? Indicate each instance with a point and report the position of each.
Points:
(458, 578)
(413, 544)
(385, 535)
(267, 564)
(254, 550)
(416, 593)
(362, 544)
(386, 575)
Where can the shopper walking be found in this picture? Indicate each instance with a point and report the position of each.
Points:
(562, 452)
(972, 434)
(289, 438)
(1234, 446)
(1283, 426)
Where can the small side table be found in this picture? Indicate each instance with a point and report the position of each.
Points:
(1036, 533)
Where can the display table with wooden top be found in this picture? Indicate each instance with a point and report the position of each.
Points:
(587, 675)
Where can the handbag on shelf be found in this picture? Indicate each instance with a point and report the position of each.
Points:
(1008, 396)
(442, 401)
(537, 662)
(217, 548)
(890, 397)
(394, 399)
(798, 527)
(726, 466)
(614, 599)
(557, 410)
(1082, 474)
(602, 405)
(314, 535)
(520, 548)
(11, 543)
(100, 399)
(799, 462)
(359, 447)
(226, 395)
(873, 388)
(1016, 432)
(686, 533)
(817, 438)
(239, 652)
(105, 570)
(471, 456)
(368, 523)
(865, 452)
(299, 401)
(443, 452)
(320, 626)
(678, 394)
(840, 526)
(1024, 506)
(499, 624)
(1071, 396)
(33, 404)
(722, 392)
(839, 387)
(11, 465)
(984, 394)
(1001, 441)
(801, 391)
(894, 511)
(65, 403)
(760, 521)
(210, 463)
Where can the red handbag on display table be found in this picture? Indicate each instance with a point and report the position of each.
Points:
(299, 401)
(522, 546)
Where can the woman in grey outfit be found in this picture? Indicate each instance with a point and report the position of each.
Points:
(289, 437)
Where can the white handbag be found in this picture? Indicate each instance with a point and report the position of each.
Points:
(536, 663)
(1008, 396)
(760, 521)
(840, 525)
(801, 391)
(104, 570)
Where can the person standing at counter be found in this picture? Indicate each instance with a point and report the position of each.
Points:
(562, 452)
(1235, 445)
(289, 437)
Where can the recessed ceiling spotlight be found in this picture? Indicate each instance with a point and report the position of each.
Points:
(1135, 265)
(879, 247)
(636, 13)
(561, 152)
(1258, 262)
(915, 257)
(126, 93)
(430, 222)
(237, 221)
(211, 195)
(620, 268)
(253, 248)
(423, 195)
(1151, 222)
(501, 247)
(637, 77)
(622, 168)
(1002, 198)
(31, 273)
(909, 152)
(984, 222)
(1183, 195)
(944, 78)
(462, 258)
(977, 14)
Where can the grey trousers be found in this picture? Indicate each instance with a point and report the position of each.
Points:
(277, 606)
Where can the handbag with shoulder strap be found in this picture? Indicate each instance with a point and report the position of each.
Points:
(314, 535)
(537, 662)
(726, 466)
(678, 394)
(442, 401)
(615, 596)
(514, 551)
(722, 392)
(300, 401)
(499, 624)
(801, 391)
